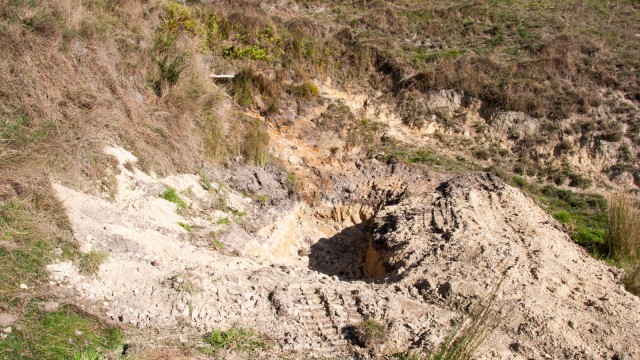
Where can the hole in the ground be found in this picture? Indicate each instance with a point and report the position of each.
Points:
(338, 241)
(348, 253)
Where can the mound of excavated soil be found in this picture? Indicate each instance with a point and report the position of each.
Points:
(386, 244)
(554, 301)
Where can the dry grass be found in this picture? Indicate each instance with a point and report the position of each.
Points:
(622, 238)
(623, 229)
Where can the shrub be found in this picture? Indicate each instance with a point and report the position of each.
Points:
(370, 332)
(622, 236)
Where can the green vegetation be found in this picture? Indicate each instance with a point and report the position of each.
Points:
(30, 228)
(255, 146)
(234, 339)
(215, 241)
(223, 221)
(584, 215)
(392, 154)
(371, 332)
(185, 226)
(172, 196)
(238, 213)
(61, 334)
(90, 262)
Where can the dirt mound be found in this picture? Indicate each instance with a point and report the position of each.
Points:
(393, 243)
(555, 301)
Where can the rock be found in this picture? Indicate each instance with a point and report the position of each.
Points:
(7, 330)
(24, 286)
(51, 306)
(7, 319)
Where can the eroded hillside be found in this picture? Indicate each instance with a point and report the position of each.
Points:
(342, 187)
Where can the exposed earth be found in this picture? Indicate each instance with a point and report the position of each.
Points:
(397, 243)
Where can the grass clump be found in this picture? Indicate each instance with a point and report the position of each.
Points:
(213, 236)
(622, 236)
(171, 195)
(90, 262)
(223, 221)
(370, 332)
(185, 226)
(234, 339)
(622, 239)
(307, 90)
(255, 146)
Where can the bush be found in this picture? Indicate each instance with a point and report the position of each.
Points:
(622, 236)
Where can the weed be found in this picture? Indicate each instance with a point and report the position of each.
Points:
(254, 52)
(170, 69)
(234, 339)
(185, 226)
(223, 221)
(631, 280)
(370, 332)
(172, 196)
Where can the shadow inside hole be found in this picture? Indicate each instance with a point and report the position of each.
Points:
(343, 254)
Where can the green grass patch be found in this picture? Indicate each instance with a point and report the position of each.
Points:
(223, 221)
(584, 215)
(62, 334)
(172, 196)
(30, 229)
(234, 339)
(90, 262)
(185, 226)
(238, 213)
